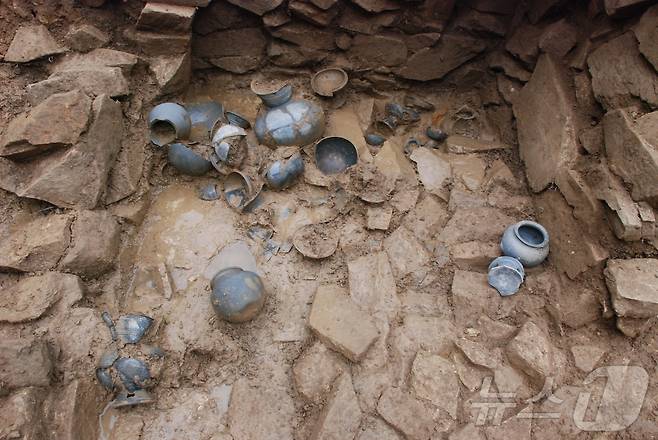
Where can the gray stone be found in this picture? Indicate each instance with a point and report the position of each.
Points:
(167, 18)
(86, 37)
(620, 74)
(93, 81)
(646, 32)
(31, 43)
(24, 362)
(633, 286)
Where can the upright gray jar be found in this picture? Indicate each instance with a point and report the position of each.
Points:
(526, 241)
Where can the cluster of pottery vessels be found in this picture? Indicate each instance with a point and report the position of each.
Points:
(524, 244)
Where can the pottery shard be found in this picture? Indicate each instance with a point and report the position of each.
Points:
(36, 245)
(341, 416)
(532, 352)
(435, 62)
(632, 151)
(633, 287)
(24, 362)
(56, 122)
(166, 17)
(31, 43)
(434, 379)
(31, 297)
(86, 37)
(77, 177)
(376, 51)
(298, 33)
(315, 371)
(621, 75)
(340, 324)
(406, 414)
(95, 244)
(646, 32)
(546, 123)
(258, 7)
(232, 42)
(171, 73)
(93, 81)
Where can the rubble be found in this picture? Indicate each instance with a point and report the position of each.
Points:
(172, 74)
(94, 81)
(646, 34)
(86, 37)
(31, 43)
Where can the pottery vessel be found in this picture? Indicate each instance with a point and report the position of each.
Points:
(167, 122)
(283, 173)
(526, 241)
(187, 161)
(237, 295)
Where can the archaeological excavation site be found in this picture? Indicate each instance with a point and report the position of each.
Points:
(329, 220)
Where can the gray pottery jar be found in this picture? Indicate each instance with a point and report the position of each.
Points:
(526, 241)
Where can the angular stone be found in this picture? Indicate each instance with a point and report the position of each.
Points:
(434, 171)
(500, 174)
(232, 42)
(57, 122)
(290, 55)
(172, 74)
(372, 285)
(92, 81)
(237, 64)
(633, 287)
(559, 38)
(646, 32)
(377, 50)
(341, 416)
(586, 357)
(31, 43)
(276, 18)
(297, 33)
(434, 378)
(378, 218)
(648, 218)
(452, 50)
(315, 371)
(532, 352)
(72, 409)
(224, 15)
(621, 75)
(377, 429)
(632, 151)
(515, 428)
(24, 362)
(324, 4)
(428, 333)
(311, 13)
(406, 254)
(469, 170)
(340, 324)
(95, 244)
(524, 43)
(474, 254)
(126, 172)
(35, 245)
(468, 432)
(377, 5)
(501, 62)
(575, 306)
(355, 20)
(463, 145)
(166, 18)
(258, 7)
(613, 7)
(623, 214)
(32, 297)
(480, 22)
(592, 139)
(86, 37)
(495, 330)
(406, 414)
(97, 58)
(506, 7)
(156, 44)
(546, 123)
(537, 9)
(482, 224)
(472, 297)
(20, 414)
(426, 220)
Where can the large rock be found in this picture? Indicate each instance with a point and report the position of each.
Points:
(434, 171)
(166, 17)
(434, 379)
(341, 415)
(620, 74)
(546, 123)
(95, 244)
(93, 81)
(524, 43)
(172, 74)
(20, 414)
(406, 414)
(533, 353)
(298, 33)
(258, 7)
(646, 32)
(223, 15)
(633, 287)
(377, 50)
(435, 62)
(95, 59)
(355, 20)
(311, 13)
(315, 371)
(405, 252)
(559, 38)
(372, 285)
(86, 37)
(232, 42)
(35, 245)
(56, 122)
(632, 151)
(24, 362)
(127, 171)
(31, 43)
(73, 409)
(76, 177)
(157, 44)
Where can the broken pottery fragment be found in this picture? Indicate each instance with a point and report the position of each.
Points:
(283, 173)
(315, 241)
(506, 275)
(131, 328)
(334, 154)
(169, 121)
(186, 160)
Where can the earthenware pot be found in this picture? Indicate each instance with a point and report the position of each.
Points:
(167, 122)
(282, 173)
(526, 241)
(237, 295)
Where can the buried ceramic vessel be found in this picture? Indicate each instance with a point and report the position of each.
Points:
(230, 145)
(237, 295)
(526, 241)
(284, 121)
(186, 161)
(335, 154)
(283, 173)
(506, 274)
(240, 190)
(328, 81)
(167, 122)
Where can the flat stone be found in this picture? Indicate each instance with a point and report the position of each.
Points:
(258, 7)
(92, 81)
(434, 171)
(646, 32)
(375, 428)
(311, 13)
(501, 62)
(592, 139)
(621, 75)
(495, 330)
(463, 145)
(469, 170)
(613, 7)
(468, 432)
(372, 285)
(95, 59)
(434, 379)
(231, 42)
(632, 151)
(513, 428)
(166, 17)
(35, 245)
(76, 177)
(24, 362)
(371, 51)
(406, 414)
(480, 224)
(356, 20)
(124, 177)
(20, 414)
(404, 251)
(85, 37)
(340, 324)
(56, 122)
(524, 43)
(575, 306)
(623, 214)
(500, 174)
(546, 123)
(426, 220)
(378, 218)
(315, 371)
(31, 43)
(633, 287)
(71, 408)
(156, 44)
(324, 4)
(298, 32)
(391, 161)
(452, 50)
(481, 22)
(291, 55)
(377, 5)
(276, 18)
(559, 38)
(341, 416)
(532, 352)
(586, 357)
(172, 74)
(472, 297)
(237, 64)
(474, 254)
(32, 297)
(430, 333)
(223, 15)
